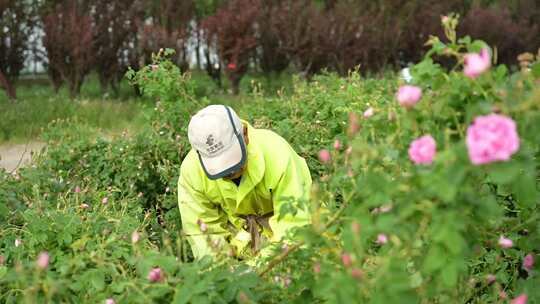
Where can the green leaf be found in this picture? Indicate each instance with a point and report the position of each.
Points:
(525, 189)
(97, 278)
(503, 172)
(535, 70)
(449, 275)
(435, 258)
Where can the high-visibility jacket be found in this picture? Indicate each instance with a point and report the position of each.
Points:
(275, 175)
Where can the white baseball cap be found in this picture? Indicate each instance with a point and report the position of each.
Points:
(216, 133)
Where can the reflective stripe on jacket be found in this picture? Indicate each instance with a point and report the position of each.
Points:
(275, 175)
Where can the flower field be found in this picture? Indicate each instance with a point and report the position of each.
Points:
(425, 192)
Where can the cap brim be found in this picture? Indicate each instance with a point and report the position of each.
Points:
(228, 162)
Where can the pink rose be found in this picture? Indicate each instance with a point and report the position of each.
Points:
(337, 145)
(369, 112)
(357, 273)
(408, 95)
(505, 243)
(382, 239)
(491, 138)
(77, 189)
(43, 260)
(528, 262)
(155, 275)
(135, 236)
(521, 299)
(105, 200)
(346, 259)
(324, 156)
(476, 64)
(355, 227)
(423, 150)
(354, 125)
(109, 301)
(317, 268)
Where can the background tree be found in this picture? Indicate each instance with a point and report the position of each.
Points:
(511, 35)
(233, 30)
(69, 40)
(212, 65)
(16, 26)
(270, 55)
(115, 26)
(167, 26)
(300, 27)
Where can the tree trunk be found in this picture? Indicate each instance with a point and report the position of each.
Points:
(8, 86)
(198, 48)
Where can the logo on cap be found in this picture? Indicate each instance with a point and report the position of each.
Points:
(210, 140)
(213, 147)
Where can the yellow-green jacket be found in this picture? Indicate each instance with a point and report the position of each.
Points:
(275, 174)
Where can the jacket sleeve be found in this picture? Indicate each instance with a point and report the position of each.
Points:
(194, 207)
(294, 186)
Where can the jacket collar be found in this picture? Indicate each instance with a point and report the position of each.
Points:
(255, 165)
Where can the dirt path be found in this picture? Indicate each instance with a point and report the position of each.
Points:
(17, 155)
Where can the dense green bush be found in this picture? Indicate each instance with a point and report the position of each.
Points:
(389, 226)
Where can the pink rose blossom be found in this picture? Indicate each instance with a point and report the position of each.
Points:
(492, 138)
(505, 243)
(355, 227)
(324, 156)
(382, 239)
(155, 275)
(317, 268)
(337, 145)
(476, 64)
(346, 259)
(135, 236)
(521, 299)
(43, 260)
(528, 262)
(423, 150)
(408, 95)
(110, 301)
(77, 189)
(105, 200)
(369, 112)
(357, 273)
(354, 125)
